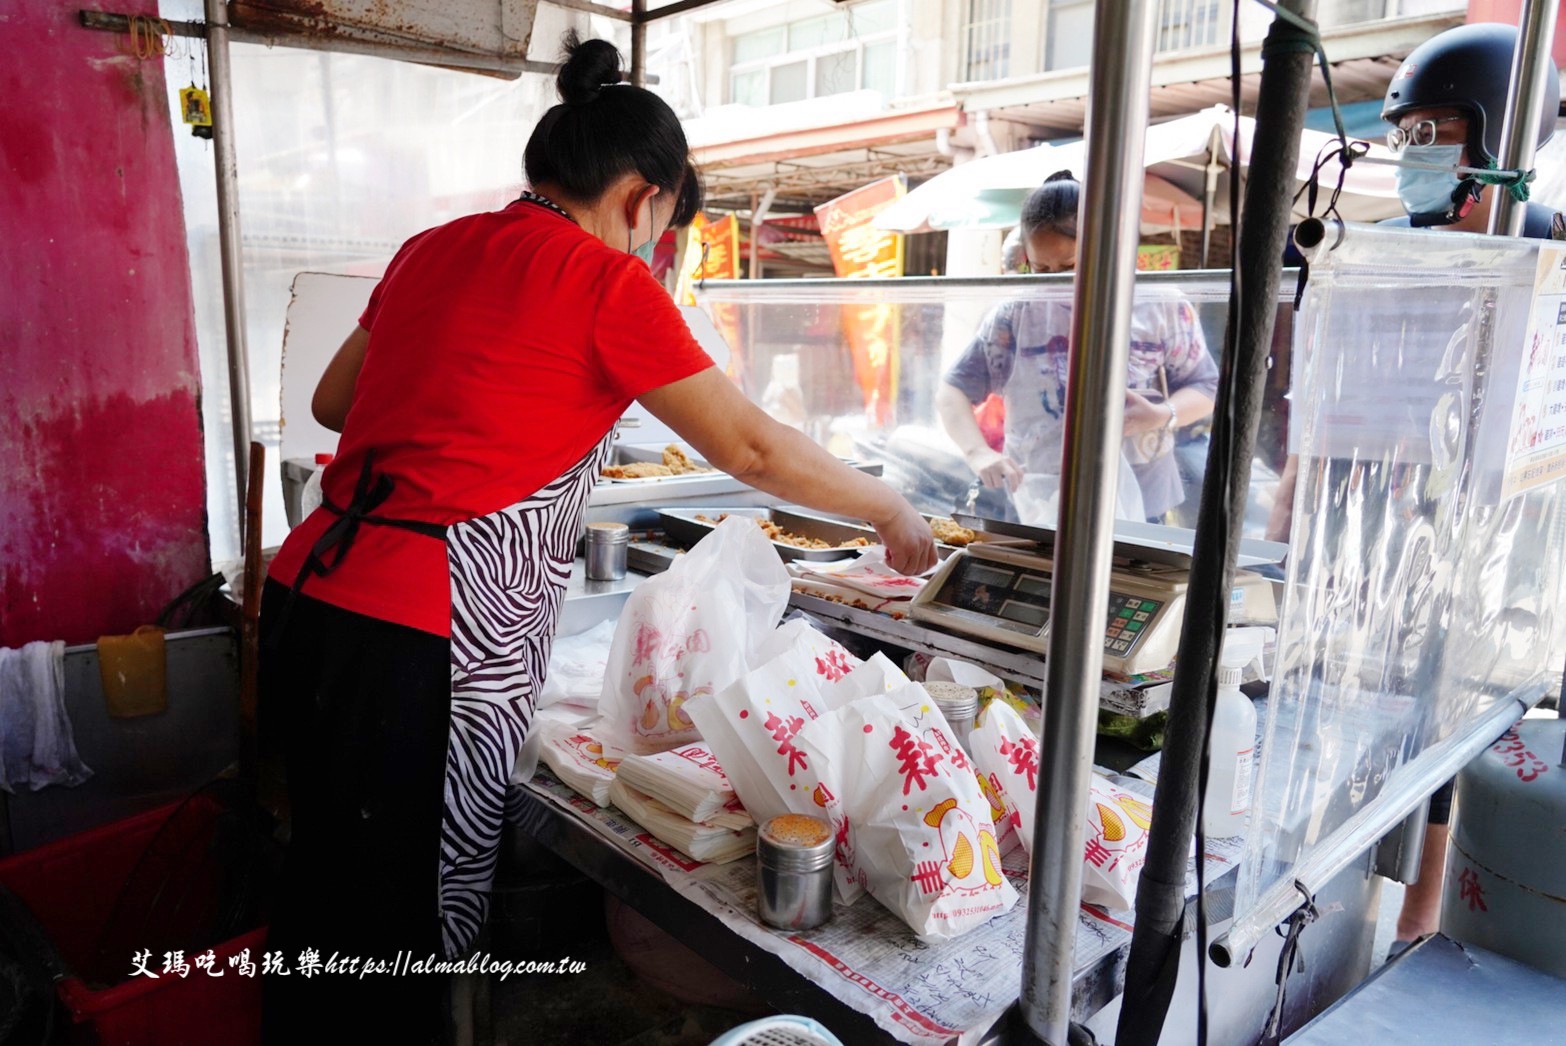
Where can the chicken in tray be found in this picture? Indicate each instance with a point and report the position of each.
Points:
(675, 463)
(788, 537)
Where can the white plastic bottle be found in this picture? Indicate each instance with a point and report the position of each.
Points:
(1232, 741)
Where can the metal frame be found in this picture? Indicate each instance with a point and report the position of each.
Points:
(1095, 405)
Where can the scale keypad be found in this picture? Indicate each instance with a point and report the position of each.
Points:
(1129, 617)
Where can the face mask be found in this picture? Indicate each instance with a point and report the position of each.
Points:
(645, 251)
(1429, 192)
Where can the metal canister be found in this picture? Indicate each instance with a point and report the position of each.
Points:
(1506, 866)
(607, 544)
(959, 704)
(794, 872)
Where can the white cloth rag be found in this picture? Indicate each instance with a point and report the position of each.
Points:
(37, 748)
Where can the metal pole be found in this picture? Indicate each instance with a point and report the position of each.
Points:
(639, 42)
(1524, 109)
(1210, 193)
(759, 207)
(1152, 970)
(1121, 77)
(228, 246)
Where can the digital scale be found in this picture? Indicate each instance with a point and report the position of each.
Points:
(1000, 592)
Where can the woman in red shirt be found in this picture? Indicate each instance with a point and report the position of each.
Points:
(408, 621)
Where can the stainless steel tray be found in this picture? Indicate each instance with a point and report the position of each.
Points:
(634, 453)
(683, 526)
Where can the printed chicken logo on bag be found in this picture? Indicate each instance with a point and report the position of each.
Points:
(971, 854)
(589, 751)
(1116, 847)
(661, 687)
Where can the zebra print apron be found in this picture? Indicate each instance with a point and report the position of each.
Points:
(508, 572)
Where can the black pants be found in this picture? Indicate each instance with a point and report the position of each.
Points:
(361, 708)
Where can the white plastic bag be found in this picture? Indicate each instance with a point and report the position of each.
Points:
(1037, 497)
(576, 668)
(1116, 848)
(691, 630)
(1006, 756)
(916, 829)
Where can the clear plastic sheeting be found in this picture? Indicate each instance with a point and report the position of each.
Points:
(1417, 598)
(856, 365)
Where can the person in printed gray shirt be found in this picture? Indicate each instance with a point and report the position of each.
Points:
(1021, 352)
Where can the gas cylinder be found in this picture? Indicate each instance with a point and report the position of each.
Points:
(1506, 866)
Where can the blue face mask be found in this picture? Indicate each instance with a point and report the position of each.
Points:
(645, 251)
(1429, 192)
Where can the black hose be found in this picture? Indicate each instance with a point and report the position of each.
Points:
(1160, 900)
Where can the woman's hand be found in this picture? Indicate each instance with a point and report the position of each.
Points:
(737, 437)
(1144, 415)
(994, 468)
(910, 546)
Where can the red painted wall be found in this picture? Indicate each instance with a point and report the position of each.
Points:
(102, 489)
(1510, 12)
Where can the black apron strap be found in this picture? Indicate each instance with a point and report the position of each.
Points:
(370, 492)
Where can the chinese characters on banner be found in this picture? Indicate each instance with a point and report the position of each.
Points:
(1536, 446)
(859, 250)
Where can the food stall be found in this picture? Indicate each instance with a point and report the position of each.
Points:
(866, 972)
(1337, 775)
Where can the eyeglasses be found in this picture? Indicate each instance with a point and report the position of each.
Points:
(1422, 133)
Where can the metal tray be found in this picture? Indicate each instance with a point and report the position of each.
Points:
(941, 547)
(630, 454)
(682, 526)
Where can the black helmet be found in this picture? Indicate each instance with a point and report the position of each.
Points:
(1468, 68)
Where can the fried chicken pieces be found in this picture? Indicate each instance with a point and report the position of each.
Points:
(675, 463)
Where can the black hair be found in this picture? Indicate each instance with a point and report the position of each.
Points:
(1052, 207)
(605, 128)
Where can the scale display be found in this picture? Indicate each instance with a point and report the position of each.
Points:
(1003, 596)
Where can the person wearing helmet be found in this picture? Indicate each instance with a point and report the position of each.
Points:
(1447, 103)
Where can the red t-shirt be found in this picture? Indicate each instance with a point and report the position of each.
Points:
(503, 346)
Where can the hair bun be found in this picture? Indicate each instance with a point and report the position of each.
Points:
(1060, 176)
(588, 66)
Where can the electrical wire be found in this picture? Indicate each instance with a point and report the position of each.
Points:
(151, 37)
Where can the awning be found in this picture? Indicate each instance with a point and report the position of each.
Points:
(989, 192)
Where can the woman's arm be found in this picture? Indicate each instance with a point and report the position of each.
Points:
(956, 414)
(334, 393)
(1191, 405)
(735, 435)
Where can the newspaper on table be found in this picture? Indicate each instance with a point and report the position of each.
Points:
(866, 957)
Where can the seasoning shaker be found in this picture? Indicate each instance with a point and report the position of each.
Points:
(794, 872)
(959, 704)
(607, 544)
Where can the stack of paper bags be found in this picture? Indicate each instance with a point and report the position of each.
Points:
(578, 758)
(699, 842)
(688, 781)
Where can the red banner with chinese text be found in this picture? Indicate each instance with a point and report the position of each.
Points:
(860, 250)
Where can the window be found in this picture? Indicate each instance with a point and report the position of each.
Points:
(1187, 24)
(848, 50)
(987, 40)
(1070, 39)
